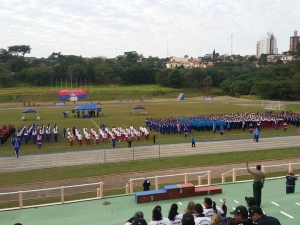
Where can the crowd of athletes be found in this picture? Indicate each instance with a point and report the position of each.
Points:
(217, 122)
(104, 133)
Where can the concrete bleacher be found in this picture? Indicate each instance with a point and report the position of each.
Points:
(175, 191)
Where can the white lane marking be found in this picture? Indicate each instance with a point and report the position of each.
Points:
(275, 203)
(179, 203)
(286, 214)
(297, 203)
(221, 200)
(236, 201)
(94, 123)
(233, 208)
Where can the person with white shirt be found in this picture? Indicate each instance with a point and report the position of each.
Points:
(201, 219)
(211, 208)
(175, 217)
(157, 218)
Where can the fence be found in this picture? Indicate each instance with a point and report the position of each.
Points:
(98, 188)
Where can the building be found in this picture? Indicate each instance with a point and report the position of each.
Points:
(294, 41)
(185, 62)
(267, 45)
(283, 58)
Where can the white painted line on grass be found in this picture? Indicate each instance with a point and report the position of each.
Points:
(236, 201)
(297, 203)
(94, 123)
(179, 203)
(221, 200)
(286, 214)
(233, 208)
(274, 203)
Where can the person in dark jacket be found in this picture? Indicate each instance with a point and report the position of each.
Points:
(241, 215)
(259, 218)
(290, 182)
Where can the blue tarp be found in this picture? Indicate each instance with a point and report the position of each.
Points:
(87, 107)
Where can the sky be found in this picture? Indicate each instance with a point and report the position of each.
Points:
(163, 28)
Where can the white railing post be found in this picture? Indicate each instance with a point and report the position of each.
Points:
(62, 194)
(199, 180)
(263, 168)
(131, 186)
(234, 175)
(101, 190)
(127, 189)
(186, 178)
(156, 183)
(223, 178)
(290, 167)
(20, 200)
(209, 178)
(98, 192)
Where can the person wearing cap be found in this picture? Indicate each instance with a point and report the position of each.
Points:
(250, 201)
(241, 216)
(259, 218)
(188, 219)
(290, 182)
(157, 218)
(258, 184)
(137, 215)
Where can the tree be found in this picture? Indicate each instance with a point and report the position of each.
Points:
(214, 54)
(175, 79)
(103, 73)
(186, 56)
(208, 82)
(16, 49)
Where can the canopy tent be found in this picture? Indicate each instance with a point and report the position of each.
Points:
(137, 107)
(30, 111)
(87, 107)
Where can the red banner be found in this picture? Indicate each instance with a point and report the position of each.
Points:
(72, 92)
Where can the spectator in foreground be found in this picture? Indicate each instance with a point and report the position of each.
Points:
(241, 215)
(211, 208)
(216, 219)
(140, 221)
(190, 208)
(174, 216)
(137, 215)
(157, 218)
(250, 201)
(259, 218)
(200, 217)
(188, 219)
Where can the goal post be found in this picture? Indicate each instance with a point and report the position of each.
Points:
(273, 105)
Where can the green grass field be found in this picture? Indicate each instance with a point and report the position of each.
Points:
(120, 115)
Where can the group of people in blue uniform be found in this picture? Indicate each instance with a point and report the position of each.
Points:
(35, 132)
(221, 122)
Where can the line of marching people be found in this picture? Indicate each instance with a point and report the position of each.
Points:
(6, 132)
(115, 134)
(36, 133)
